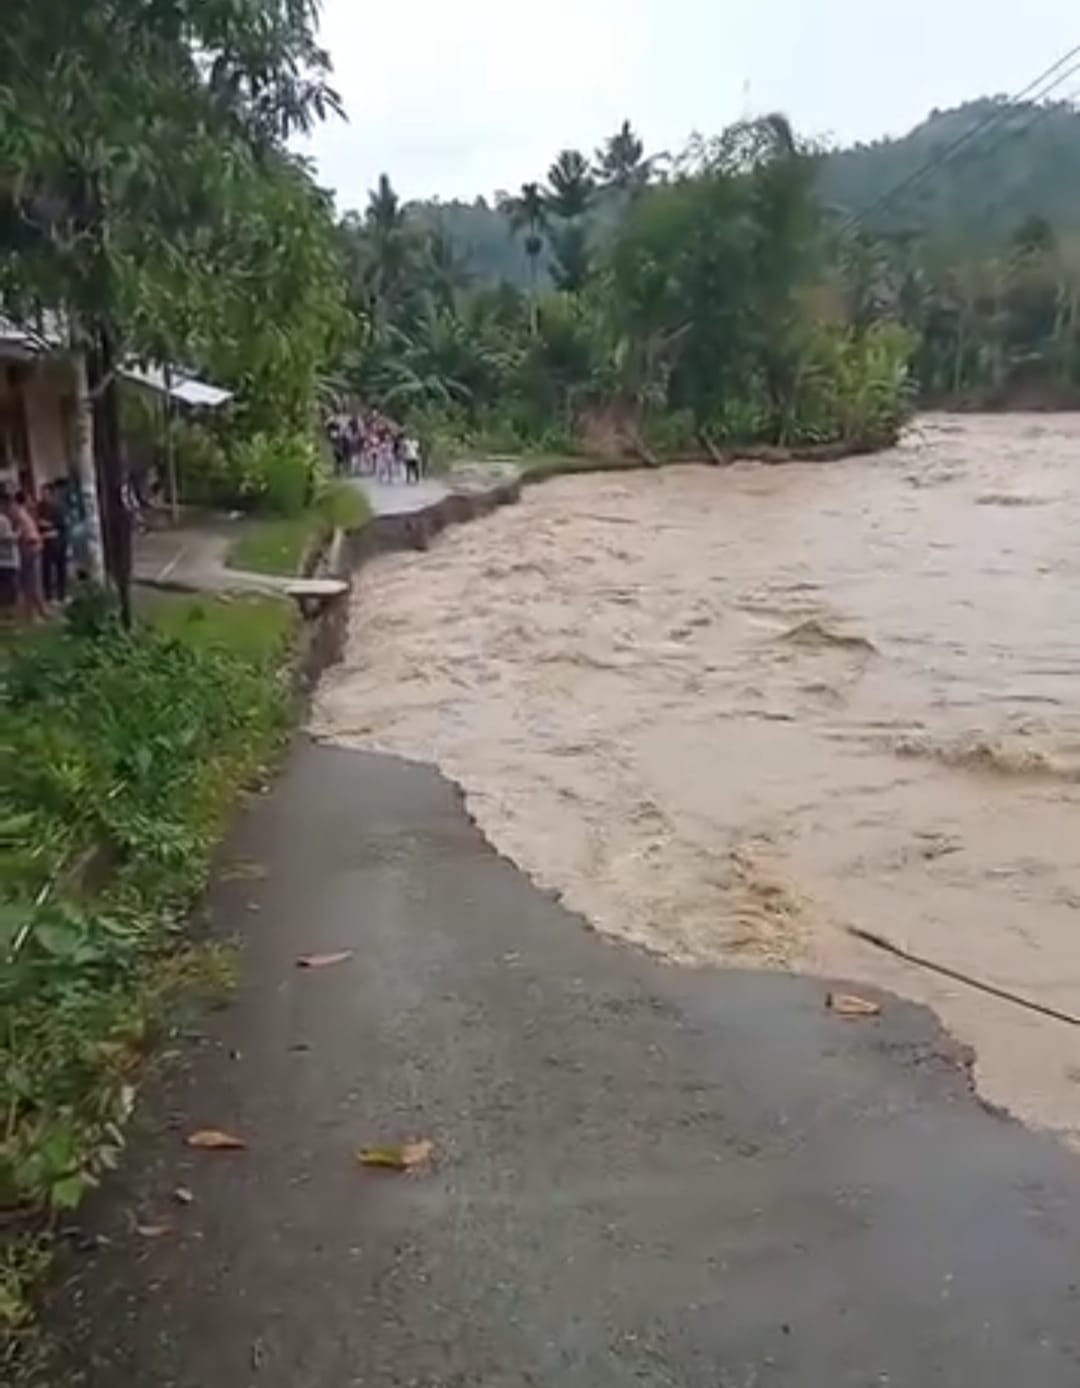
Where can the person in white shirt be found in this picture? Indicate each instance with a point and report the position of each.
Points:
(410, 452)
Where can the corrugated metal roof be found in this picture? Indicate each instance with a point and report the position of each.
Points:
(24, 340)
(186, 389)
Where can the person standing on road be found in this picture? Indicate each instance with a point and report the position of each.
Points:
(410, 451)
(52, 521)
(20, 513)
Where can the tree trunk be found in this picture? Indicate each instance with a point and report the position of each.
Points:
(110, 471)
(170, 444)
(85, 468)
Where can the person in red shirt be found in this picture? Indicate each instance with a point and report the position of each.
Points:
(30, 546)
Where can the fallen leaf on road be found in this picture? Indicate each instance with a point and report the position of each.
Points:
(243, 870)
(848, 1005)
(183, 1196)
(153, 1231)
(323, 961)
(212, 1140)
(406, 1157)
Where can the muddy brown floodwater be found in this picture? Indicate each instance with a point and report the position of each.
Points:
(726, 713)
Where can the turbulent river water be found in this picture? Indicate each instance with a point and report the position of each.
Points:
(727, 713)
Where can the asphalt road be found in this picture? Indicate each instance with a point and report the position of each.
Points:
(643, 1175)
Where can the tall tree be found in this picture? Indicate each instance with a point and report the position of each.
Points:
(527, 214)
(621, 162)
(124, 126)
(570, 185)
(570, 192)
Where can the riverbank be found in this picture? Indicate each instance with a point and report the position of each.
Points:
(637, 1172)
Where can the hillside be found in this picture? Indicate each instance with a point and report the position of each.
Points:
(1026, 163)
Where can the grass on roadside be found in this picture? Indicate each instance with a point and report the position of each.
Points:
(253, 628)
(129, 748)
(278, 544)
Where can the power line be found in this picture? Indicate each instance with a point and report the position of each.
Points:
(1037, 117)
(943, 156)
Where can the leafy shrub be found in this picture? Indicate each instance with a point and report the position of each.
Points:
(673, 431)
(278, 472)
(851, 388)
(206, 474)
(130, 746)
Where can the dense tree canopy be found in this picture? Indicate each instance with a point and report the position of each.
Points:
(146, 195)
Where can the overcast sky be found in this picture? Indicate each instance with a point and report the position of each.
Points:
(458, 97)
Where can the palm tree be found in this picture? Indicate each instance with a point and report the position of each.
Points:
(570, 185)
(527, 212)
(621, 163)
(571, 188)
(387, 245)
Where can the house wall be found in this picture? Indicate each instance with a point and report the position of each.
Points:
(36, 415)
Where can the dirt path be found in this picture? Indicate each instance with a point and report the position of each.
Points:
(642, 1174)
(725, 713)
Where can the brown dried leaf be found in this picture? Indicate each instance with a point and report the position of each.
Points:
(849, 1005)
(405, 1157)
(244, 870)
(213, 1140)
(323, 961)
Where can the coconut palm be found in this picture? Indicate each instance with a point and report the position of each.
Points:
(570, 185)
(527, 213)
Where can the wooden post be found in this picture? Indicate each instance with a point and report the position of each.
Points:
(170, 445)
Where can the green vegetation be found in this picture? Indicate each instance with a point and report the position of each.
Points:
(278, 545)
(254, 629)
(672, 307)
(978, 261)
(148, 194)
(120, 755)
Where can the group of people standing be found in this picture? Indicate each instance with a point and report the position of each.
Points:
(368, 444)
(37, 534)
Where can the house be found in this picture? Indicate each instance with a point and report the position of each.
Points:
(38, 400)
(37, 408)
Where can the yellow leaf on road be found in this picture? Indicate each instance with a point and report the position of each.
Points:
(848, 1005)
(213, 1140)
(405, 1157)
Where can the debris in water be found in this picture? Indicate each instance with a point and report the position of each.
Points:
(815, 633)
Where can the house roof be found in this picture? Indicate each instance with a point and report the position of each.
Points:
(185, 388)
(23, 341)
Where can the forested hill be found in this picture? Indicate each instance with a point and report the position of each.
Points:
(1025, 163)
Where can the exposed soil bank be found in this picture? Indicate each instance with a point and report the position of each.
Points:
(726, 712)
